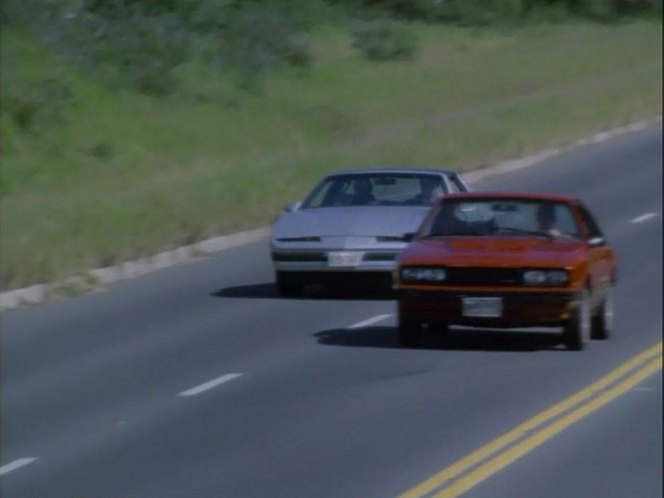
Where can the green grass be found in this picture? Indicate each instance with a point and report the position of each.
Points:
(116, 175)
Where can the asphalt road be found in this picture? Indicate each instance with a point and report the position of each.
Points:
(198, 381)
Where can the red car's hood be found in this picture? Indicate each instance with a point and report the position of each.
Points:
(494, 251)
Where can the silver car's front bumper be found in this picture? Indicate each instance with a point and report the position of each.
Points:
(344, 256)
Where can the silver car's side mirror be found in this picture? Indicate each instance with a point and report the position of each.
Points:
(292, 206)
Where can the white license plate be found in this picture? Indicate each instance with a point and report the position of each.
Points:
(485, 307)
(344, 258)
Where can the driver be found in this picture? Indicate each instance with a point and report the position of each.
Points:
(362, 191)
(546, 220)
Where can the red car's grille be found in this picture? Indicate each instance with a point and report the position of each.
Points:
(483, 276)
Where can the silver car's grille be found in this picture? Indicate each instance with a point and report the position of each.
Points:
(321, 257)
(380, 256)
(299, 239)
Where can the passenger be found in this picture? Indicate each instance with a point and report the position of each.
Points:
(546, 220)
(447, 222)
(430, 190)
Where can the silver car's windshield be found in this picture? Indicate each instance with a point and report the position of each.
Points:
(382, 189)
(505, 217)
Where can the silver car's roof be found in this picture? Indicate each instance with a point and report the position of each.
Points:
(373, 171)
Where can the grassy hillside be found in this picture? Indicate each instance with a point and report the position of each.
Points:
(93, 175)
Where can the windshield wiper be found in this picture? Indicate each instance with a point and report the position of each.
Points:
(455, 234)
(522, 231)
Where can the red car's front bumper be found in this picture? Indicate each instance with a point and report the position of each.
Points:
(519, 308)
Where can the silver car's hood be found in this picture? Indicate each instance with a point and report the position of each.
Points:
(368, 221)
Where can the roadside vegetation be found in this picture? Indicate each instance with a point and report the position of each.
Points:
(130, 126)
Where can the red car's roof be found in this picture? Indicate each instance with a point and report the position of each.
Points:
(511, 195)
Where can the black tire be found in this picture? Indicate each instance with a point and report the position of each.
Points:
(577, 328)
(287, 286)
(410, 331)
(602, 322)
(442, 333)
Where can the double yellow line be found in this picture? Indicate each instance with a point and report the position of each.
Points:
(514, 444)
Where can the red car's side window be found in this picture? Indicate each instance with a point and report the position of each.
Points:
(592, 228)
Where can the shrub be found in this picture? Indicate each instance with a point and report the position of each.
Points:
(35, 105)
(258, 39)
(141, 51)
(608, 10)
(489, 12)
(594, 9)
(383, 40)
(484, 12)
(427, 10)
(132, 45)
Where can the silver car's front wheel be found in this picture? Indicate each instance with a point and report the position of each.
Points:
(288, 285)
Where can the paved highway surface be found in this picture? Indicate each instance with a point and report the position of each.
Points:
(198, 381)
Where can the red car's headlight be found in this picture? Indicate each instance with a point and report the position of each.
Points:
(545, 277)
(423, 274)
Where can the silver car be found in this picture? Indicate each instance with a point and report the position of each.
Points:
(354, 224)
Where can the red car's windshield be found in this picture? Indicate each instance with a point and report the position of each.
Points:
(509, 217)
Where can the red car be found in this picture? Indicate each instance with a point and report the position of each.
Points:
(507, 260)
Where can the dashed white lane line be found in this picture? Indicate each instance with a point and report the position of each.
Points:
(16, 464)
(370, 321)
(643, 217)
(209, 385)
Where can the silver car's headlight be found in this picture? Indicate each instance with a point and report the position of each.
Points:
(545, 277)
(422, 274)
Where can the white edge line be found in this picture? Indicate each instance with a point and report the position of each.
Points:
(369, 321)
(643, 217)
(209, 385)
(16, 464)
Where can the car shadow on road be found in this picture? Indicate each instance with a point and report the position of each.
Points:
(455, 339)
(269, 291)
